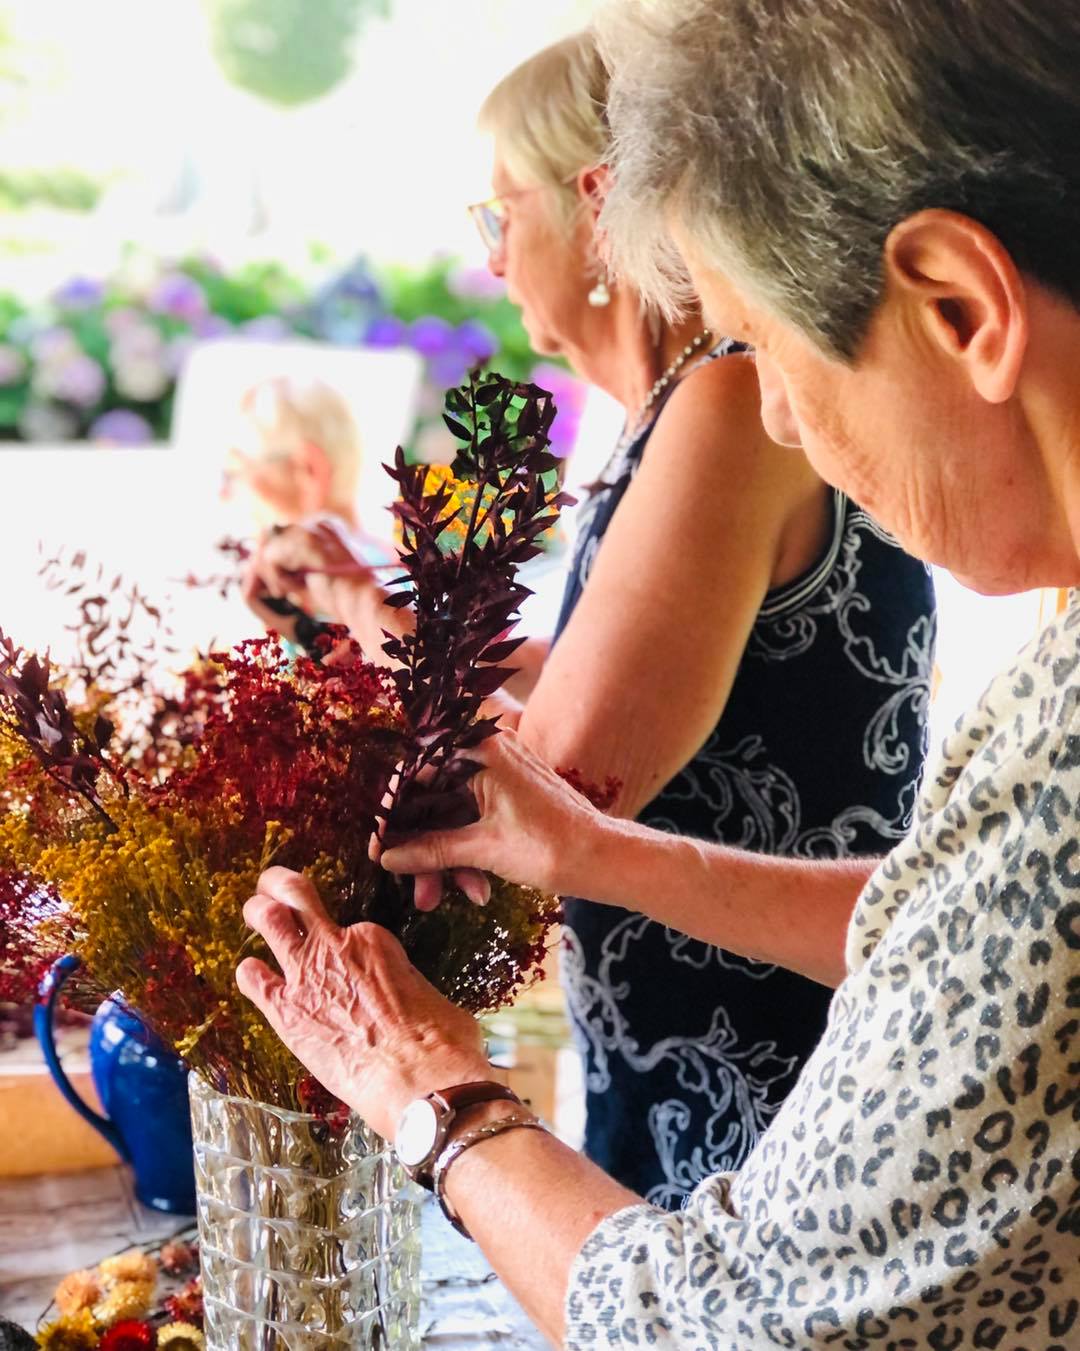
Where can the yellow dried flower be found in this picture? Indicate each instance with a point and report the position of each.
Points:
(128, 1266)
(72, 1332)
(77, 1291)
(181, 1337)
(124, 1300)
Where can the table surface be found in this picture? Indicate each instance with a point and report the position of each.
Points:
(53, 1224)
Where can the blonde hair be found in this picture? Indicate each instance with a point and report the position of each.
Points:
(550, 117)
(285, 414)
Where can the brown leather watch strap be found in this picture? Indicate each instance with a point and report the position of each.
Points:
(460, 1096)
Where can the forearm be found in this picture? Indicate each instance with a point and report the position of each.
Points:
(791, 912)
(530, 1202)
(529, 660)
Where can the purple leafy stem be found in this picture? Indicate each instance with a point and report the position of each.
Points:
(465, 600)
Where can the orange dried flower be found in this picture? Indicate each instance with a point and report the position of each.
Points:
(77, 1291)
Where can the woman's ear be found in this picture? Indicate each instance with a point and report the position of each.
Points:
(593, 185)
(964, 293)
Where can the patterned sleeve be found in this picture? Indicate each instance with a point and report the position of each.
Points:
(649, 1277)
(920, 1186)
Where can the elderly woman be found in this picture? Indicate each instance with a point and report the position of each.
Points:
(882, 196)
(729, 624)
(296, 451)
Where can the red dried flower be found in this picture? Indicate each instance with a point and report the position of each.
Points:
(133, 1335)
(186, 1306)
(602, 796)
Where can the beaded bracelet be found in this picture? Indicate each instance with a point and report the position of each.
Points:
(459, 1145)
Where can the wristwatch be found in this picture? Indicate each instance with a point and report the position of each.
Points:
(424, 1124)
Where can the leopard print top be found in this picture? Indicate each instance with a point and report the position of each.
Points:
(920, 1188)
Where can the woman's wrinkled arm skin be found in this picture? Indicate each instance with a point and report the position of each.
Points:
(352, 1008)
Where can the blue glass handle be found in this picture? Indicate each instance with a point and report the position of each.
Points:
(49, 990)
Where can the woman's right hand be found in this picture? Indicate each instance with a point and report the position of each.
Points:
(534, 829)
(312, 568)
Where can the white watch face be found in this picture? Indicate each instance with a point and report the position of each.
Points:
(417, 1133)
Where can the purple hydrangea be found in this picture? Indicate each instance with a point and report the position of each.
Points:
(477, 341)
(121, 427)
(142, 376)
(569, 394)
(385, 331)
(431, 336)
(121, 320)
(79, 380)
(79, 293)
(212, 326)
(54, 344)
(449, 368)
(180, 297)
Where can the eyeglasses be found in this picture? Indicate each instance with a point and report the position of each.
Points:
(491, 216)
(490, 219)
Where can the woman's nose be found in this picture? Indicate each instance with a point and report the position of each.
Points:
(497, 261)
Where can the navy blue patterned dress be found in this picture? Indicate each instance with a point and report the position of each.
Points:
(689, 1050)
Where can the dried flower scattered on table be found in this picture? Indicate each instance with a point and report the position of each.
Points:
(131, 1335)
(186, 1306)
(177, 1257)
(181, 1337)
(135, 1265)
(72, 1332)
(124, 1300)
(77, 1291)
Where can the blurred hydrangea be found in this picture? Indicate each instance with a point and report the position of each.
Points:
(121, 427)
(386, 331)
(212, 326)
(569, 393)
(431, 336)
(79, 293)
(77, 379)
(179, 297)
(121, 320)
(54, 344)
(477, 341)
(47, 422)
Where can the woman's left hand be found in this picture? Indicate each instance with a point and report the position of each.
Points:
(351, 1006)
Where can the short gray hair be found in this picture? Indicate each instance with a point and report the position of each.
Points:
(789, 137)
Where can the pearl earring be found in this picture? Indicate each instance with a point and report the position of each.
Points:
(600, 295)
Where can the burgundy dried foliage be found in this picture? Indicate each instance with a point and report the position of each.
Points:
(33, 709)
(465, 600)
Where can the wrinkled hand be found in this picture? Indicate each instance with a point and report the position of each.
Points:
(308, 565)
(534, 828)
(352, 1008)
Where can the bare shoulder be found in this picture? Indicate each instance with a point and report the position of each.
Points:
(712, 424)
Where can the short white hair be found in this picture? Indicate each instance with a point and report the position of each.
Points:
(789, 137)
(283, 414)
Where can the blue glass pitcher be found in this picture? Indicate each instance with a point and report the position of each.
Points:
(142, 1087)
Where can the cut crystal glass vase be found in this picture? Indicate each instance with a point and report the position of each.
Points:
(309, 1236)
